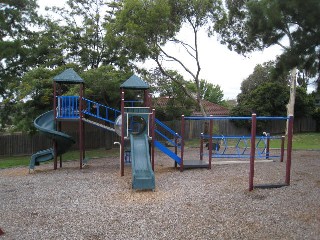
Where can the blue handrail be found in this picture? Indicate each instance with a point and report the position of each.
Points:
(100, 111)
(168, 130)
(68, 107)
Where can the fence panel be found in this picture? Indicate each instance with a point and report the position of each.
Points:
(24, 144)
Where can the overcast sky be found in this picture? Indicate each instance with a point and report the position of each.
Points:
(218, 64)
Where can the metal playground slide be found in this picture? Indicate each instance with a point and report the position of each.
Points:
(45, 124)
(142, 174)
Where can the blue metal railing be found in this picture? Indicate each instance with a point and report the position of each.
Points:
(165, 130)
(68, 107)
(100, 111)
(241, 147)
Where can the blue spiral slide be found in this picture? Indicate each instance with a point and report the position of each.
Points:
(45, 124)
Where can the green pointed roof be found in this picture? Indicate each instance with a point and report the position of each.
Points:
(68, 76)
(134, 82)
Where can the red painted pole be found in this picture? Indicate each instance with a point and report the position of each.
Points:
(282, 148)
(55, 160)
(268, 146)
(289, 150)
(122, 135)
(210, 141)
(81, 137)
(252, 149)
(153, 135)
(176, 147)
(182, 141)
(201, 146)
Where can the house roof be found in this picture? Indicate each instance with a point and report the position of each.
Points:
(210, 108)
(68, 76)
(134, 82)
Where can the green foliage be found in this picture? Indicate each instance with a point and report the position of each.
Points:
(85, 44)
(266, 94)
(16, 19)
(142, 28)
(211, 92)
(254, 25)
(178, 102)
(103, 85)
(268, 99)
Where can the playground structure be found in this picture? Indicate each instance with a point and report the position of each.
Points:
(140, 132)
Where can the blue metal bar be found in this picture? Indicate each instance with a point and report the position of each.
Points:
(161, 124)
(166, 138)
(235, 118)
(246, 137)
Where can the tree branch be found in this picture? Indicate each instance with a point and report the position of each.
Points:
(177, 60)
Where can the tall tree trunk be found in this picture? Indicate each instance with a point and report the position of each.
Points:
(292, 98)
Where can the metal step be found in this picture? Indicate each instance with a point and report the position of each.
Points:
(98, 124)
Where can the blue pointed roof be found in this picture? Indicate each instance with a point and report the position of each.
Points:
(68, 76)
(134, 82)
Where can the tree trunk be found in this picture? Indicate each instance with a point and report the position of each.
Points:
(292, 98)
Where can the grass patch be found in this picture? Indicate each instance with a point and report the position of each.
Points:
(301, 141)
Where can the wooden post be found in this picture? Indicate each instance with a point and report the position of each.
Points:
(289, 150)
(252, 149)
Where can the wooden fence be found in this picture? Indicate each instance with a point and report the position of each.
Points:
(194, 128)
(24, 144)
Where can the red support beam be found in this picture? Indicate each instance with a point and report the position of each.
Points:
(210, 141)
(201, 146)
(153, 135)
(122, 134)
(282, 148)
(55, 160)
(252, 149)
(176, 147)
(81, 132)
(182, 141)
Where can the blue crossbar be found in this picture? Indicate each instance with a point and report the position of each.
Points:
(235, 118)
(161, 124)
(167, 151)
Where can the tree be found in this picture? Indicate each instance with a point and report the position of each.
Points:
(142, 28)
(103, 85)
(211, 92)
(177, 102)
(82, 24)
(260, 24)
(264, 93)
(16, 19)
